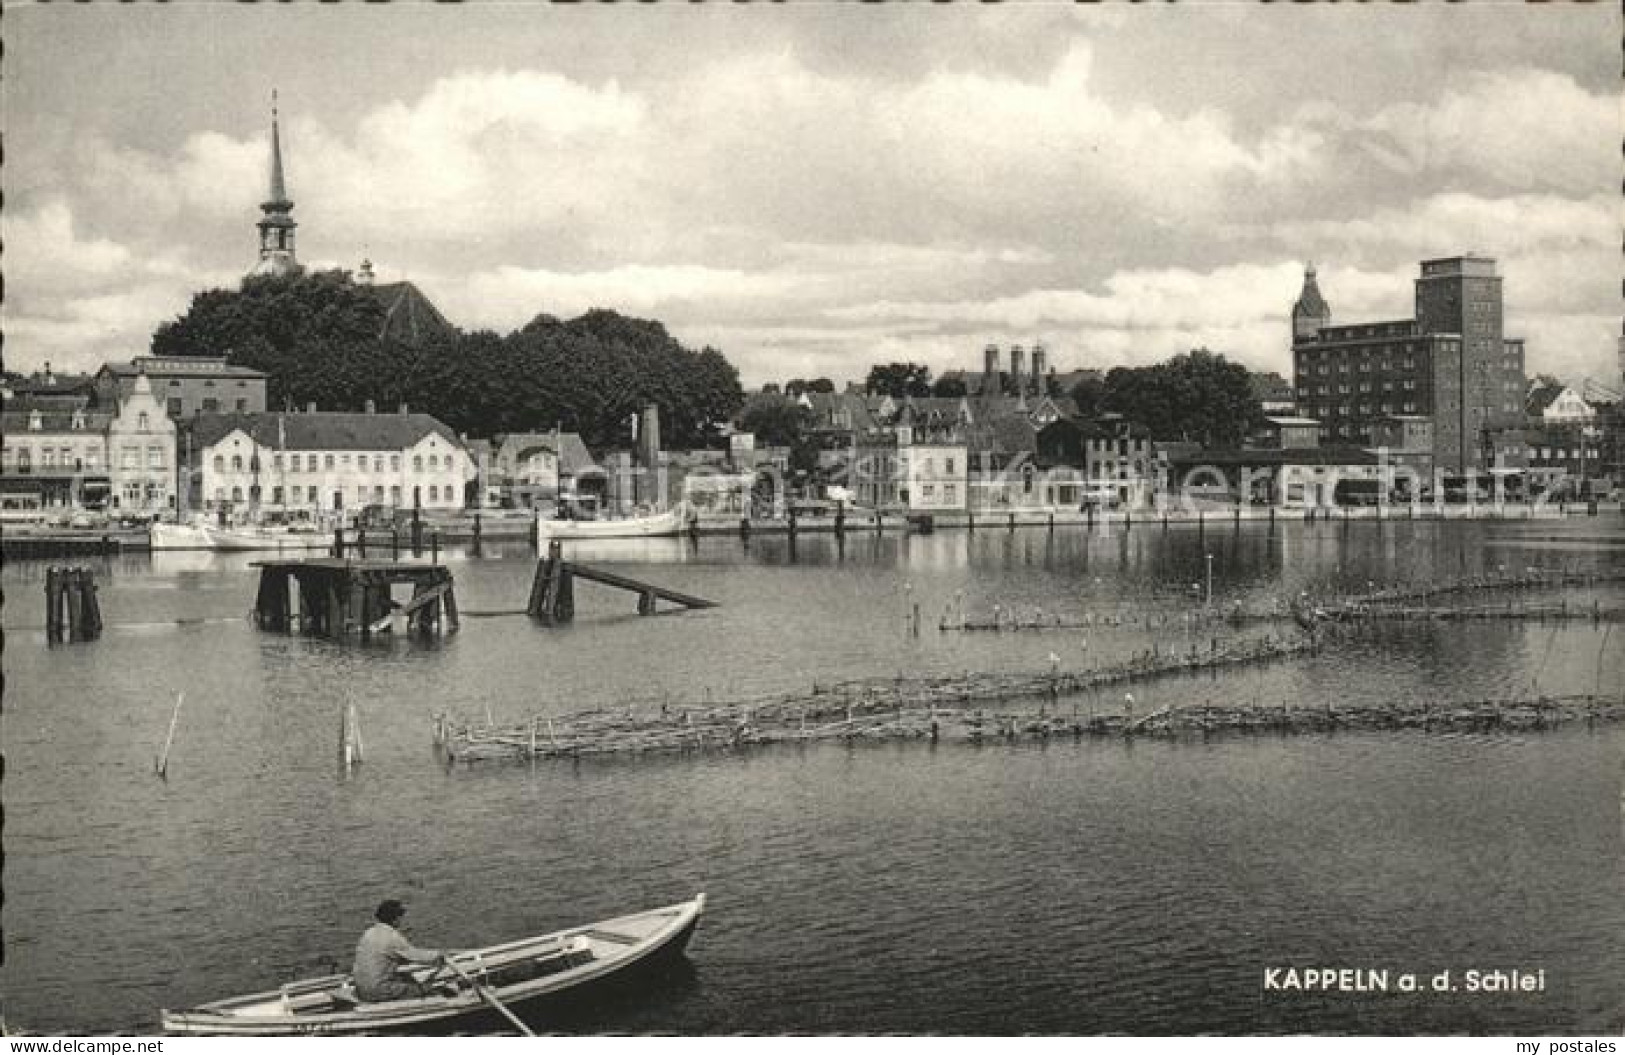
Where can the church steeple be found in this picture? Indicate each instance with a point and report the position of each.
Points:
(277, 225)
(1311, 312)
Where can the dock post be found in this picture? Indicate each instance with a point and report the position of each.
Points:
(744, 527)
(451, 607)
(92, 608)
(434, 546)
(477, 533)
(53, 605)
(646, 602)
(73, 578)
(840, 519)
(394, 542)
(417, 531)
(564, 601)
(338, 540)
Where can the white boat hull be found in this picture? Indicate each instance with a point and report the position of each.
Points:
(521, 975)
(202, 536)
(659, 525)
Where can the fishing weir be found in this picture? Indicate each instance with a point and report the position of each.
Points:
(941, 707)
(335, 597)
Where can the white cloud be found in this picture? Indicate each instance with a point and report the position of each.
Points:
(44, 250)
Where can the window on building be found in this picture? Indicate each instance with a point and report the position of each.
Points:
(417, 462)
(236, 494)
(395, 495)
(276, 462)
(236, 463)
(394, 463)
(155, 457)
(211, 406)
(378, 463)
(434, 493)
(130, 457)
(141, 421)
(242, 405)
(328, 461)
(378, 494)
(344, 460)
(48, 458)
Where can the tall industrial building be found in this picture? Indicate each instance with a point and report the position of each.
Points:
(1452, 364)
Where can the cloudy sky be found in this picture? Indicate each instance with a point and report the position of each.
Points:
(813, 188)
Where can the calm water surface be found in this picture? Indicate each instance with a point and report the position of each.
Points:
(1059, 888)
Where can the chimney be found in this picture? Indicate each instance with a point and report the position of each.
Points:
(372, 408)
(310, 408)
(990, 367)
(1015, 369)
(1039, 357)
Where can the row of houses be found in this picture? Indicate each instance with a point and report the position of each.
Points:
(162, 437)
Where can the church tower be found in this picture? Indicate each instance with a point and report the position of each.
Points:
(1311, 312)
(277, 225)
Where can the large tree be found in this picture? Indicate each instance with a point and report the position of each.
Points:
(318, 337)
(898, 380)
(1198, 396)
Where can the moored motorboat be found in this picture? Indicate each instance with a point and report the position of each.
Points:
(520, 976)
(162, 535)
(654, 525)
(260, 537)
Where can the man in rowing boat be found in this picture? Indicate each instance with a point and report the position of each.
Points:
(380, 954)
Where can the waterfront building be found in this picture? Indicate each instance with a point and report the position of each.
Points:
(53, 460)
(1451, 363)
(141, 453)
(1286, 432)
(917, 463)
(1124, 458)
(1407, 440)
(186, 385)
(1319, 476)
(117, 456)
(322, 462)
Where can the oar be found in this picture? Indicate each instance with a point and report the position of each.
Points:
(489, 997)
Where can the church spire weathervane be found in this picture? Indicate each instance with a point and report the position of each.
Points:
(277, 225)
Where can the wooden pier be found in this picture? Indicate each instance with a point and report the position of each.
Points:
(552, 592)
(334, 598)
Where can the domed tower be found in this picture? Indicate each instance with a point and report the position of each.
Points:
(1311, 312)
(277, 225)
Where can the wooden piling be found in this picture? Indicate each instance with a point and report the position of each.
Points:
(161, 764)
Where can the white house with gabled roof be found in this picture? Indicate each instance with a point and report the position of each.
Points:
(319, 463)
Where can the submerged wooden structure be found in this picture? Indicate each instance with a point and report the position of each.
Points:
(335, 598)
(736, 726)
(898, 708)
(72, 611)
(552, 592)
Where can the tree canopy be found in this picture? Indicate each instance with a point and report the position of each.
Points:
(898, 380)
(1198, 396)
(318, 337)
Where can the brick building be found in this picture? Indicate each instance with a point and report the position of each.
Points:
(1451, 363)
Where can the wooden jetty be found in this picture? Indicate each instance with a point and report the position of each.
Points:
(552, 592)
(335, 598)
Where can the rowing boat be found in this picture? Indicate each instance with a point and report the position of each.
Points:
(524, 975)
